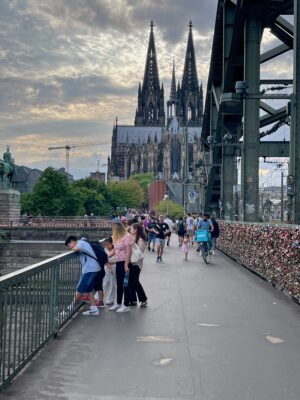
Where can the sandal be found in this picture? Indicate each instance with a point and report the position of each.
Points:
(144, 304)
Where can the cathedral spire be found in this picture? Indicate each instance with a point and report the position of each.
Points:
(151, 78)
(190, 79)
(189, 95)
(173, 84)
(151, 96)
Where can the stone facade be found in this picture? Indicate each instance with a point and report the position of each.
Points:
(154, 143)
(10, 205)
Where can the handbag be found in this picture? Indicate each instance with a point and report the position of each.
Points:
(136, 254)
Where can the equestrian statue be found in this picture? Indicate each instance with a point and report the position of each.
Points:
(7, 167)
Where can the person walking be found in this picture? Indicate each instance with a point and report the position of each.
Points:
(90, 269)
(161, 229)
(185, 246)
(110, 281)
(135, 286)
(171, 227)
(122, 242)
(190, 228)
(180, 230)
(214, 234)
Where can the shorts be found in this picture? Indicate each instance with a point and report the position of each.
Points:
(160, 242)
(168, 234)
(86, 282)
(98, 282)
(190, 232)
(151, 237)
(181, 233)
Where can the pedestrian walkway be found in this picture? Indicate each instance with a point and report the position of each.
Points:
(211, 332)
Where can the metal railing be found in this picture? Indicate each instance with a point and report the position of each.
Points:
(33, 307)
(57, 222)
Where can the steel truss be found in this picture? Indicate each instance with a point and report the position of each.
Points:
(236, 57)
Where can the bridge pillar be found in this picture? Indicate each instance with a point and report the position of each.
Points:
(250, 146)
(294, 166)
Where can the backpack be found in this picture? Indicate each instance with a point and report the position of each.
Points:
(181, 226)
(101, 256)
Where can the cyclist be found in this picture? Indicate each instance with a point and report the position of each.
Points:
(205, 224)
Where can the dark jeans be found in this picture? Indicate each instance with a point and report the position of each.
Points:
(120, 273)
(135, 285)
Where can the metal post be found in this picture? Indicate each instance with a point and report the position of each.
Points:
(250, 147)
(294, 165)
(282, 208)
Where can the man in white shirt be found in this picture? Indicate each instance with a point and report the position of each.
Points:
(171, 227)
(190, 228)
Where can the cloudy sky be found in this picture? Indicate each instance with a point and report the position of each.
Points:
(68, 68)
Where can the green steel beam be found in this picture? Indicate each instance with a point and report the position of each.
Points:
(294, 165)
(250, 145)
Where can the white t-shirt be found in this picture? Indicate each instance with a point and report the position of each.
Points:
(170, 223)
(190, 223)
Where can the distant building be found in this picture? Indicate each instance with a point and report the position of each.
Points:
(24, 178)
(98, 176)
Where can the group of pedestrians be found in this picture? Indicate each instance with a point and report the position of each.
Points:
(117, 273)
(117, 276)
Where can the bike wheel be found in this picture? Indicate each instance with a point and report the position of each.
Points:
(206, 254)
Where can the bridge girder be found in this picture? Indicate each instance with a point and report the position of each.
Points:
(228, 65)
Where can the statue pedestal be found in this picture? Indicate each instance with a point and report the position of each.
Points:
(10, 206)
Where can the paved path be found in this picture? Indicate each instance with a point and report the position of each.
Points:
(208, 333)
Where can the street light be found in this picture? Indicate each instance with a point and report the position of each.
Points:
(166, 197)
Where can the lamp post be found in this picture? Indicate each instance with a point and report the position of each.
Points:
(166, 198)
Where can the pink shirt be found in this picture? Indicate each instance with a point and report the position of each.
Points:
(122, 245)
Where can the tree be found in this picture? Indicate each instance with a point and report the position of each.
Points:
(144, 181)
(52, 195)
(94, 196)
(126, 194)
(169, 207)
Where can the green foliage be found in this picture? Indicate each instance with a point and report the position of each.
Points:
(144, 181)
(126, 194)
(52, 195)
(169, 207)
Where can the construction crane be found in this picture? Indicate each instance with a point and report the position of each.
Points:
(68, 147)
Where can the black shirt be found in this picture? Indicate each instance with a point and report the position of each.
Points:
(161, 228)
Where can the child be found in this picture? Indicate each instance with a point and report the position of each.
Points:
(110, 282)
(185, 245)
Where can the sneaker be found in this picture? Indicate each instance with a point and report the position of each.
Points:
(85, 299)
(91, 311)
(114, 307)
(160, 259)
(109, 303)
(157, 259)
(144, 304)
(123, 309)
(100, 304)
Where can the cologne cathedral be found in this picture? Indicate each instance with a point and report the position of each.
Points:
(160, 143)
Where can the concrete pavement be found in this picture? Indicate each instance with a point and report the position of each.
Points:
(211, 332)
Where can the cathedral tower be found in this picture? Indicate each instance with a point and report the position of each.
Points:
(150, 110)
(190, 96)
(172, 102)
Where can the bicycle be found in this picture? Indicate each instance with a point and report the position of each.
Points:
(202, 237)
(205, 251)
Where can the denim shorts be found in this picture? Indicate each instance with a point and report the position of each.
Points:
(160, 242)
(87, 282)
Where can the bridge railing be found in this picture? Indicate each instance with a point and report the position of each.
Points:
(33, 303)
(56, 222)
